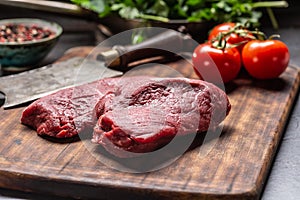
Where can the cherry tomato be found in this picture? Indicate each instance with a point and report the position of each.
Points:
(233, 37)
(265, 59)
(216, 65)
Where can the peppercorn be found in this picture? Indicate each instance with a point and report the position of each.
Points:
(21, 33)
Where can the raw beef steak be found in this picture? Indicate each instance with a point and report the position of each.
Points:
(145, 114)
(66, 113)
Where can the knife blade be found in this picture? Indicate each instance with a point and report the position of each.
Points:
(33, 84)
(30, 85)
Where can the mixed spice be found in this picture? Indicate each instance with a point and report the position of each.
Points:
(22, 33)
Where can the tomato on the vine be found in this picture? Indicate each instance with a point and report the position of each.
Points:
(233, 38)
(265, 59)
(210, 62)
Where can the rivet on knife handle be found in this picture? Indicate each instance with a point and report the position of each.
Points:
(164, 44)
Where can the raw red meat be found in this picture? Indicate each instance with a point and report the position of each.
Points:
(66, 113)
(135, 114)
(145, 114)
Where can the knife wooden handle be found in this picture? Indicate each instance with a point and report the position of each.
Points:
(167, 43)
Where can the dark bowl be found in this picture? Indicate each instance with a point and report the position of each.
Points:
(19, 56)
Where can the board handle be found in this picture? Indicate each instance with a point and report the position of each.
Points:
(166, 44)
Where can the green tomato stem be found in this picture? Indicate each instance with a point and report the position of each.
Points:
(259, 35)
(274, 36)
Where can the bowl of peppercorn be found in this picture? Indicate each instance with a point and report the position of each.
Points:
(24, 42)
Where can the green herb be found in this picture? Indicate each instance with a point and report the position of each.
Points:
(190, 10)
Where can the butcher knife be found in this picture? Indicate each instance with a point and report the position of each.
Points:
(33, 84)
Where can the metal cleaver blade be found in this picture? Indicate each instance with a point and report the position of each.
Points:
(31, 85)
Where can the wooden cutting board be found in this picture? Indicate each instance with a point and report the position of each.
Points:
(235, 168)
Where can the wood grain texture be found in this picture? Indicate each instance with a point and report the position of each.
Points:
(235, 168)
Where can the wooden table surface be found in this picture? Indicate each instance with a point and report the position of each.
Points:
(284, 179)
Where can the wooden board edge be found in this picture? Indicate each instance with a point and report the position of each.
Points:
(31, 183)
(265, 172)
